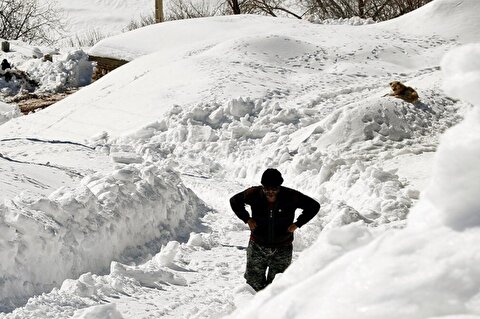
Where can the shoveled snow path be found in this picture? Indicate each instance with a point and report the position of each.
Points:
(214, 272)
(212, 266)
(202, 278)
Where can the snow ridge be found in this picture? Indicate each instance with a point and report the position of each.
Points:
(84, 229)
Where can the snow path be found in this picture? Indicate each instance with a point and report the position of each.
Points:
(199, 279)
(214, 274)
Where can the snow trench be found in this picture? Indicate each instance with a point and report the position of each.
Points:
(45, 241)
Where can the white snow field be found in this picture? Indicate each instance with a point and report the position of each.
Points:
(84, 18)
(115, 200)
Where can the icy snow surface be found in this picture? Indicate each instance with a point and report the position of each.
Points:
(104, 193)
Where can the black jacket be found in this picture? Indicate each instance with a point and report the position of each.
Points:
(272, 224)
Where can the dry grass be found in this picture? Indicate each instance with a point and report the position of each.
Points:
(32, 102)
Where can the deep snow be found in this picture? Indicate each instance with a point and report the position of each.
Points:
(213, 114)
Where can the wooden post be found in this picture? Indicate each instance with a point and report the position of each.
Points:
(158, 11)
(5, 46)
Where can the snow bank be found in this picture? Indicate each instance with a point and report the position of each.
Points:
(325, 159)
(453, 191)
(380, 120)
(68, 70)
(427, 270)
(175, 39)
(162, 272)
(47, 240)
(446, 18)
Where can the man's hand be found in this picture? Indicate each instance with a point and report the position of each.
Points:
(252, 224)
(292, 228)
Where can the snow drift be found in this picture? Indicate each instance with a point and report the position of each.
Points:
(85, 228)
(423, 271)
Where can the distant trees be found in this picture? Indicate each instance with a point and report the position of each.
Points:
(378, 10)
(187, 9)
(142, 21)
(29, 21)
(267, 7)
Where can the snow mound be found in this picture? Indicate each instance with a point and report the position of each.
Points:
(108, 311)
(177, 38)
(461, 70)
(378, 120)
(68, 70)
(445, 18)
(84, 229)
(456, 199)
(272, 48)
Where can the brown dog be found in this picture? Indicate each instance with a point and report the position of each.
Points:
(403, 92)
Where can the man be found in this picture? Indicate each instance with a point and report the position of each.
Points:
(271, 225)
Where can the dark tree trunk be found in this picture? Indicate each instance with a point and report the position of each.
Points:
(235, 6)
(361, 9)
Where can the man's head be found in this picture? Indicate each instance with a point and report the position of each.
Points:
(271, 181)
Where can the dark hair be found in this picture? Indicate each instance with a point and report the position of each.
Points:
(272, 177)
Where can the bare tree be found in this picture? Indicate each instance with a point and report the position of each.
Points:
(142, 21)
(273, 8)
(378, 10)
(29, 21)
(187, 9)
(234, 5)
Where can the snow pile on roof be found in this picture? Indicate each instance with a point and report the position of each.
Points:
(423, 271)
(68, 69)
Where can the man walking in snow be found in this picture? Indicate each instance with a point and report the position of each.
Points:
(271, 225)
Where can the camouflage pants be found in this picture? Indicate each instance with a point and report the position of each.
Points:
(260, 258)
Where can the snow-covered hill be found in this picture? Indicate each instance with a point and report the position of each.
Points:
(210, 104)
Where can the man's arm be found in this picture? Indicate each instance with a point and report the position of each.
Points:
(237, 202)
(309, 206)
